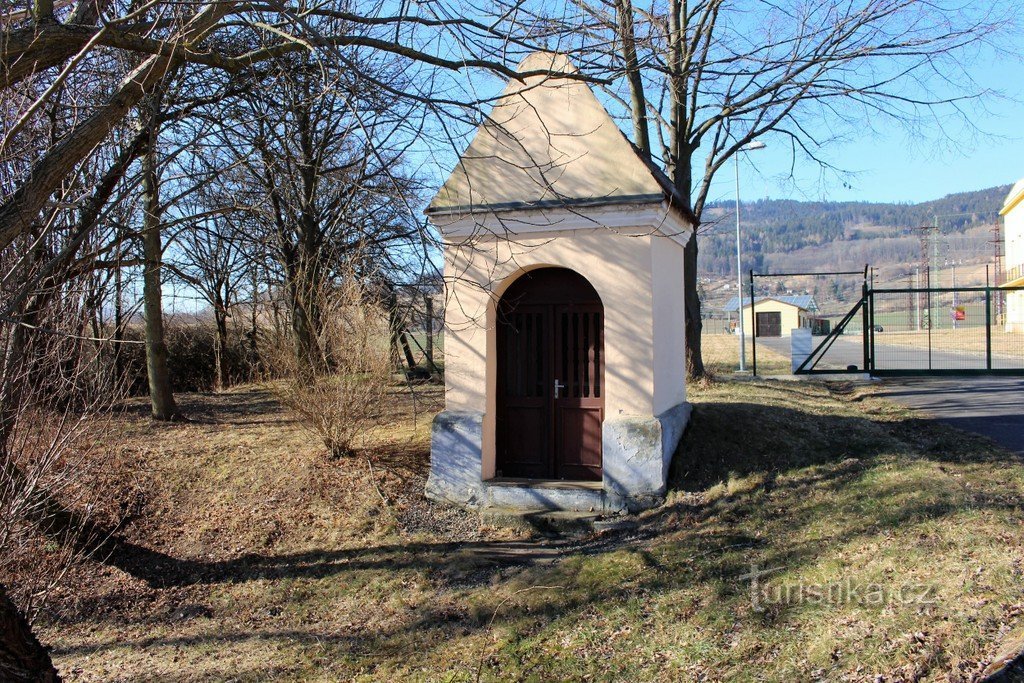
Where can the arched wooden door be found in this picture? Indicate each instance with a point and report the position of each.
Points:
(550, 400)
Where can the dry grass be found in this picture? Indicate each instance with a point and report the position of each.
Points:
(721, 356)
(967, 339)
(281, 564)
(339, 393)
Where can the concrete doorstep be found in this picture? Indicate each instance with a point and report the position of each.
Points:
(555, 522)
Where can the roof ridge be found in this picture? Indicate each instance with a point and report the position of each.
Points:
(549, 141)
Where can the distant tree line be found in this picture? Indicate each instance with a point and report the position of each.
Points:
(775, 228)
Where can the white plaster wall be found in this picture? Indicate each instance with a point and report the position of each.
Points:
(1015, 312)
(617, 263)
(669, 319)
(1013, 235)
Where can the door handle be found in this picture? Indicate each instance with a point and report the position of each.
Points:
(558, 386)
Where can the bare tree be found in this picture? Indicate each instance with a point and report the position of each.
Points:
(316, 157)
(341, 406)
(214, 263)
(223, 37)
(85, 188)
(710, 76)
(23, 659)
(161, 396)
(54, 392)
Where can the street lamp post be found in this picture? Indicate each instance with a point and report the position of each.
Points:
(749, 147)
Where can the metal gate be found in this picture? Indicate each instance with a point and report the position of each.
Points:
(926, 331)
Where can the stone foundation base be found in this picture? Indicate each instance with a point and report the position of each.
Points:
(456, 464)
(637, 454)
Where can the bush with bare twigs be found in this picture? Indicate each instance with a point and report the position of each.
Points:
(340, 395)
(56, 395)
(191, 355)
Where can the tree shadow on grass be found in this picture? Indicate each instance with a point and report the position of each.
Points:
(253, 406)
(739, 439)
(692, 540)
(723, 441)
(697, 553)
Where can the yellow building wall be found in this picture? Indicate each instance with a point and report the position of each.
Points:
(1013, 236)
(792, 316)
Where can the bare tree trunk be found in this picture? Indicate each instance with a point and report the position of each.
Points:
(22, 658)
(398, 339)
(160, 394)
(406, 349)
(220, 317)
(428, 303)
(694, 324)
(681, 169)
(305, 338)
(306, 347)
(638, 100)
(254, 321)
(118, 316)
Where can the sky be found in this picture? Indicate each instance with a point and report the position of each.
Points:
(896, 167)
(889, 166)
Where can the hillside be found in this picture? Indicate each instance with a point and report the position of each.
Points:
(795, 235)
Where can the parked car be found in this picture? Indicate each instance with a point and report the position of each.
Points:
(879, 328)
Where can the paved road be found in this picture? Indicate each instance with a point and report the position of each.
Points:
(993, 406)
(847, 351)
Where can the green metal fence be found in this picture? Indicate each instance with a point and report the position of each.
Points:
(926, 331)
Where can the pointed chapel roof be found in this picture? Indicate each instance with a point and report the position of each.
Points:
(549, 142)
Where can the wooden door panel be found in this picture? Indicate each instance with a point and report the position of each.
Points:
(523, 425)
(769, 324)
(579, 408)
(550, 328)
(527, 433)
(579, 442)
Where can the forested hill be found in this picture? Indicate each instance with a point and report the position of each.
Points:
(786, 233)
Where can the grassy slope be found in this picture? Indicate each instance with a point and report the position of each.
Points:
(283, 565)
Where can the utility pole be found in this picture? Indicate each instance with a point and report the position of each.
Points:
(917, 299)
(911, 317)
(749, 147)
(997, 264)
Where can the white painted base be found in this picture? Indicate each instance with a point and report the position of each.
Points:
(637, 454)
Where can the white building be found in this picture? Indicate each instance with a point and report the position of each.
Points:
(565, 381)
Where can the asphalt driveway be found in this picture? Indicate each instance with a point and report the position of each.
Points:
(992, 406)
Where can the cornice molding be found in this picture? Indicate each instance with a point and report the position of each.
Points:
(660, 218)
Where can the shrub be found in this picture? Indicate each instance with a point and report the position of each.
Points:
(341, 404)
(191, 349)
